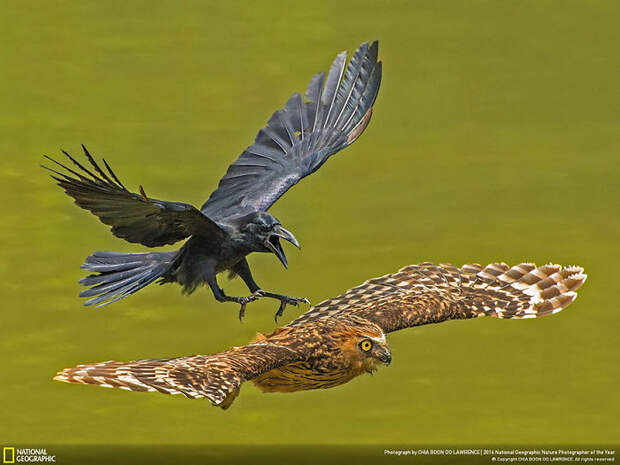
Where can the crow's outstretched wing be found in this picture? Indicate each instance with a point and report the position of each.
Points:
(427, 293)
(299, 138)
(133, 217)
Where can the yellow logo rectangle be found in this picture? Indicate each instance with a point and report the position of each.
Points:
(8, 455)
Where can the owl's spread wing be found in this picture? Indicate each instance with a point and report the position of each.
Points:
(133, 217)
(428, 293)
(216, 377)
(299, 138)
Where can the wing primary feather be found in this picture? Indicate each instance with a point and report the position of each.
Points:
(66, 178)
(367, 99)
(315, 86)
(369, 83)
(96, 166)
(112, 174)
(353, 72)
(314, 94)
(79, 175)
(79, 165)
(333, 79)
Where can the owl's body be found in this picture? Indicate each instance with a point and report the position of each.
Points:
(344, 337)
(333, 356)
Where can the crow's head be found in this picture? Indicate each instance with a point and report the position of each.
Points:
(266, 232)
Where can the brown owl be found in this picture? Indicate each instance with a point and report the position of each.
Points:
(344, 337)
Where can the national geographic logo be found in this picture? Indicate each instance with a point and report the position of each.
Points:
(13, 455)
(8, 455)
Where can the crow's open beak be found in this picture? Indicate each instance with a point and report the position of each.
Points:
(273, 242)
(286, 235)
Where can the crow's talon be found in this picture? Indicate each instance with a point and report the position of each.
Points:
(296, 300)
(242, 311)
(246, 300)
(286, 300)
(280, 311)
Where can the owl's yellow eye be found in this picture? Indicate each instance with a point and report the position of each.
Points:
(366, 345)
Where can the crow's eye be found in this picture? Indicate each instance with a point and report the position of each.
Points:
(366, 345)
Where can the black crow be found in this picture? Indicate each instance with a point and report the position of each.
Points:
(234, 221)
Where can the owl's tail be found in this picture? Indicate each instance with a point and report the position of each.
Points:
(121, 274)
(521, 291)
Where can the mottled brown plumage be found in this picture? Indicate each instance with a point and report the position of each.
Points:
(342, 338)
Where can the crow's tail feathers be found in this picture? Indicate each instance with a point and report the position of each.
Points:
(119, 275)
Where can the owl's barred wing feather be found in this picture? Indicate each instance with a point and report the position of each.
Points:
(299, 138)
(521, 291)
(216, 377)
(428, 293)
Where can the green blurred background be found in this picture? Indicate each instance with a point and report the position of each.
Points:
(495, 137)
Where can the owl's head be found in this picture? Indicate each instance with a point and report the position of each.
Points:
(366, 348)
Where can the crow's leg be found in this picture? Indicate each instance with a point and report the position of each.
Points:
(243, 269)
(220, 296)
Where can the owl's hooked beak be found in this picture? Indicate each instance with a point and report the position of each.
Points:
(384, 355)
